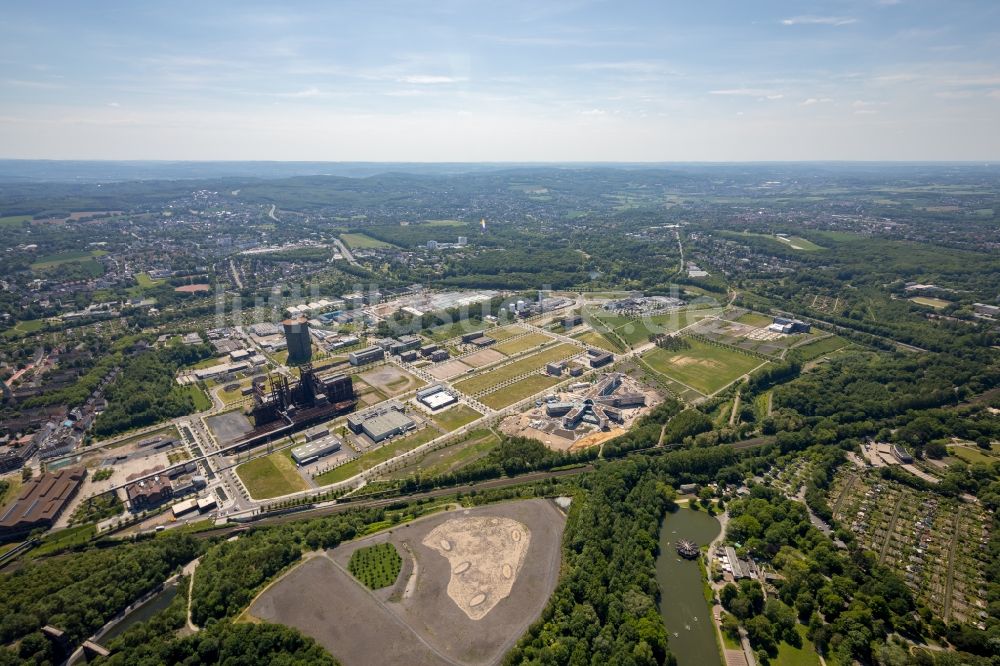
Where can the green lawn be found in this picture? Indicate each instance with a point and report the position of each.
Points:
(145, 282)
(201, 401)
(821, 347)
(271, 476)
(14, 220)
(529, 341)
(376, 566)
(799, 243)
(504, 333)
(971, 455)
(13, 488)
(444, 223)
(520, 390)
(379, 455)
(755, 319)
(595, 339)
(705, 368)
(491, 378)
(448, 331)
(362, 242)
(82, 256)
(455, 417)
(793, 656)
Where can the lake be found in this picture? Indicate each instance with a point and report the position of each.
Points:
(686, 614)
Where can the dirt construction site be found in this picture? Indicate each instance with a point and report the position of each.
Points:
(471, 583)
(548, 424)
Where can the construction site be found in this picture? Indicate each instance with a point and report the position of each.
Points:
(584, 414)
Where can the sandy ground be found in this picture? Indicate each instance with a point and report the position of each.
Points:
(485, 555)
(448, 370)
(596, 438)
(424, 626)
(483, 357)
(391, 380)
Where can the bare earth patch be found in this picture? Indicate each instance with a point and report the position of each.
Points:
(448, 370)
(485, 555)
(484, 357)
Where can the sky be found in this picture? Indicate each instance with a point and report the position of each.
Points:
(517, 80)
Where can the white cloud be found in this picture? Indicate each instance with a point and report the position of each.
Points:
(308, 92)
(114, 105)
(819, 20)
(594, 112)
(778, 96)
(816, 100)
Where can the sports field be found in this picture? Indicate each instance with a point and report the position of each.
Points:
(521, 344)
(936, 303)
(520, 390)
(362, 242)
(486, 380)
(704, 367)
(271, 476)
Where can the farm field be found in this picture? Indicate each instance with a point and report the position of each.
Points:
(379, 455)
(512, 347)
(455, 417)
(271, 476)
(363, 242)
(487, 380)
(705, 368)
(936, 303)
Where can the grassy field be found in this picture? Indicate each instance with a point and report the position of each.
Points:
(13, 488)
(476, 445)
(518, 391)
(380, 455)
(455, 417)
(504, 333)
(512, 347)
(636, 332)
(362, 242)
(793, 656)
(798, 243)
(376, 566)
(755, 319)
(486, 380)
(971, 455)
(201, 401)
(25, 327)
(595, 339)
(14, 220)
(271, 476)
(448, 331)
(145, 282)
(821, 347)
(50, 260)
(705, 368)
(444, 223)
(936, 303)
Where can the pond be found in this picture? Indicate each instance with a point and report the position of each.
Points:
(685, 612)
(142, 613)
